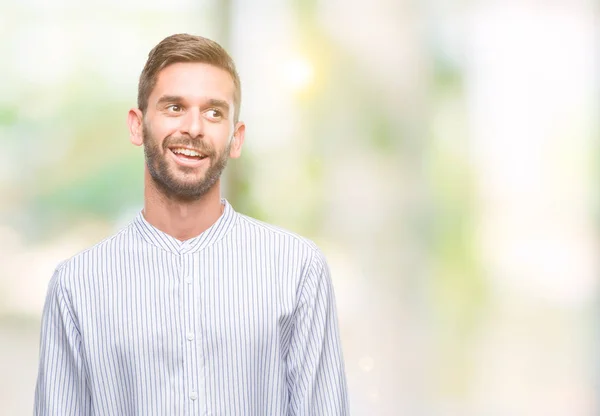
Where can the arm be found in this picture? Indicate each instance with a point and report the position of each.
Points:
(316, 378)
(61, 387)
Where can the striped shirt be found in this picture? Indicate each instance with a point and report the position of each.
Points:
(240, 320)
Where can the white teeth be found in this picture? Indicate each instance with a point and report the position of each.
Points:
(187, 152)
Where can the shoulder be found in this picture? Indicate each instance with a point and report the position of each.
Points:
(292, 249)
(94, 254)
(285, 244)
(260, 230)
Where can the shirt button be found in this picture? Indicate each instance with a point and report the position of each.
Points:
(193, 395)
(188, 280)
(190, 336)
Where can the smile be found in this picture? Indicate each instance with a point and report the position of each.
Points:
(187, 157)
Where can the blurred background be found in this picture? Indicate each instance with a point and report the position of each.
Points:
(444, 155)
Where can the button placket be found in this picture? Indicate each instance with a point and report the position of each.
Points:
(189, 327)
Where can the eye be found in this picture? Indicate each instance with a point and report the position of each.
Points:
(174, 108)
(214, 114)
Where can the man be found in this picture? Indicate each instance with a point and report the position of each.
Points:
(193, 308)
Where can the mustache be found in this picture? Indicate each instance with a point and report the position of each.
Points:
(183, 141)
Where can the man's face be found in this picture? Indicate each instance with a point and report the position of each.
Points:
(188, 129)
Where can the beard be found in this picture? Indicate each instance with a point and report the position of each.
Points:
(172, 181)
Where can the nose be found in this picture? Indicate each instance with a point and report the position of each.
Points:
(192, 124)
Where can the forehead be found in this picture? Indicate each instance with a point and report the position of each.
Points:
(194, 81)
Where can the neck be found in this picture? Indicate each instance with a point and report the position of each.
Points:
(181, 219)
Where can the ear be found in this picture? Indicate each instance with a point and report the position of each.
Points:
(135, 120)
(238, 140)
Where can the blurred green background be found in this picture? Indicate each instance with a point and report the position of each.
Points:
(444, 155)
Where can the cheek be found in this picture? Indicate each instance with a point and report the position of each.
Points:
(221, 134)
(164, 126)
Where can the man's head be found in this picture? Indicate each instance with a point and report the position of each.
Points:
(186, 48)
(187, 115)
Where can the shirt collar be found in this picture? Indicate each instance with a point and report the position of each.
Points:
(211, 235)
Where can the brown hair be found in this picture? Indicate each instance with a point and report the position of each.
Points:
(185, 48)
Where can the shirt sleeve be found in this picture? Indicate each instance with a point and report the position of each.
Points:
(316, 377)
(61, 387)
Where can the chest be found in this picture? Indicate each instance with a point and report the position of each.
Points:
(161, 307)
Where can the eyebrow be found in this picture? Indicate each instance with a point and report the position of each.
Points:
(169, 99)
(211, 102)
(223, 105)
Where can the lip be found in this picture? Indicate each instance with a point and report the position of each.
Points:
(189, 163)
